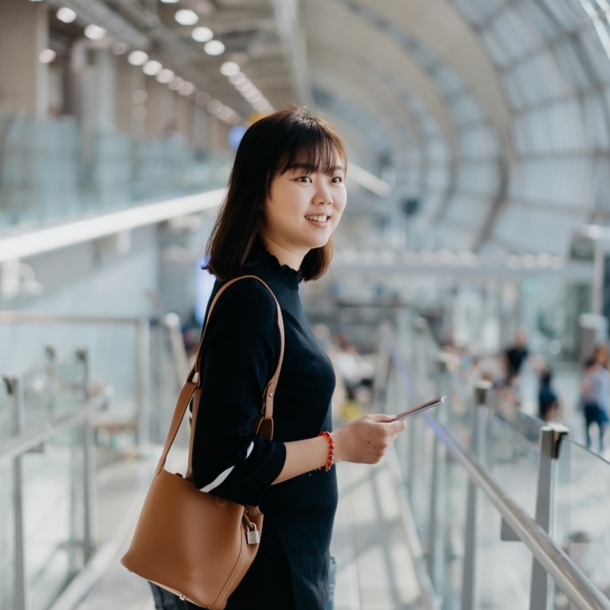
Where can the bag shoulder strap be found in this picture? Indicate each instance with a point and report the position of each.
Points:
(265, 420)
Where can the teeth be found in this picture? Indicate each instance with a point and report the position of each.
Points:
(317, 218)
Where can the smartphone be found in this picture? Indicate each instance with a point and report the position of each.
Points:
(426, 405)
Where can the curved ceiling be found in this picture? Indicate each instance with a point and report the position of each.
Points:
(519, 91)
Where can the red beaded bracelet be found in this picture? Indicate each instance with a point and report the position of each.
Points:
(331, 450)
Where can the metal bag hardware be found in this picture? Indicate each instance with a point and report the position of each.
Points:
(253, 536)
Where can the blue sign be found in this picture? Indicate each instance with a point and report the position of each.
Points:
(235, 136)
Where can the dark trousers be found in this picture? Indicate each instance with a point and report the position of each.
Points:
(164, 600)
(594, 414)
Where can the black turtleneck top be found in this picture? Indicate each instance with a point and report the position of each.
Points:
(240, 354)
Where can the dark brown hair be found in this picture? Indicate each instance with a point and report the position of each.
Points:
(283, 140)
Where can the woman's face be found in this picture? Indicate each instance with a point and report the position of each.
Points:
(304, 208)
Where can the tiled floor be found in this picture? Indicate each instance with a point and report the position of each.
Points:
(374, 566)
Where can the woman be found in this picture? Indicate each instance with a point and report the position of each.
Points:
(285, 198)
(595, 391)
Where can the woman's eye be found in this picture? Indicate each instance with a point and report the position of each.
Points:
(304, 179)
(337, 180)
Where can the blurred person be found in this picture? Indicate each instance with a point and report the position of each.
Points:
(548, 405)
(285, 198)
(595, 392)
(515, 356)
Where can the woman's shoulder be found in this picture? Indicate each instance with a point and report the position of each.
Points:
(245, 303)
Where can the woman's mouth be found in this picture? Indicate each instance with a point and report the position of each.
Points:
(318, 219)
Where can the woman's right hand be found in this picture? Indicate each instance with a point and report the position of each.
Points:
(366, 439)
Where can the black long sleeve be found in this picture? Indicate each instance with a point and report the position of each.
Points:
(240, 354)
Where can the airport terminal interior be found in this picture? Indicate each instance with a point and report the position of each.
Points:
(472, 261)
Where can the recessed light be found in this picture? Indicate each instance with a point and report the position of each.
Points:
(230, 68)
(214, 47)
(65, 14)
(176, 83)
(95, 32)
(186, 17)
(137, 58)
(119, 48)
(187, 88)
(202, 34)
(165, 76)
(47, 56)
(152, 67)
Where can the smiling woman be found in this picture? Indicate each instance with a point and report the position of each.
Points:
(286, 196)
(289, 165)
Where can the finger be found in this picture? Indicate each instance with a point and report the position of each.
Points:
(382, 417)
(396, 427)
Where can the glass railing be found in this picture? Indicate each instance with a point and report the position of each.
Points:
(473, 558)
(52, 172)
(55, 417)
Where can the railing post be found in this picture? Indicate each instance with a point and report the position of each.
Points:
(542, 585)
(436, 524)
(89, 516)
(14, 386)
(143, 384)
(469, 584)
(416, 429)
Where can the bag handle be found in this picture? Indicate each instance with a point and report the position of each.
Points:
(263, 424)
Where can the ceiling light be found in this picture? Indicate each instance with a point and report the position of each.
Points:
(47, 56)
(176, 83)
(186, 17)
(137, 58)
(119, 48)
(214, 47)
(152, 67)
(187, 88)
(246, 88)
(165, 76)
(215, 106)
(255, 97)
(65, 14)
(95, 32)
(169, 1)
(140, 96)
(230, 68)
(203, 97)
(238, 78)
(202, 34)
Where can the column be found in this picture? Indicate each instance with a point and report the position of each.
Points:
(160, 108)
(93, 85)
(24, 33)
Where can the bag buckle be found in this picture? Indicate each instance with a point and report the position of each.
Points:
(253, 536)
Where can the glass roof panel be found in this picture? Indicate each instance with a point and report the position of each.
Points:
(447, 80)
(499, 55)
(515, 34)
(572, 65)
(539, 18)
(596, 52)
(569, 13)
(479, 141)
(477, 11)
(465, 109)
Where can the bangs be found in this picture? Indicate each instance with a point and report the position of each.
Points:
(313, 147)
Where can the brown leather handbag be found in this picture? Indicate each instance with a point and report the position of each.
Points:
(192, 543)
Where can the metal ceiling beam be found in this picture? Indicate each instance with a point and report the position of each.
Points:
(292, 33)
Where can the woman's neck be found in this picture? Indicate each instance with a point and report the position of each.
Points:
(284, 255)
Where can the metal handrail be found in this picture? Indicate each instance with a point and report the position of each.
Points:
(578, 588)
(22, 443)
(44, 318)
